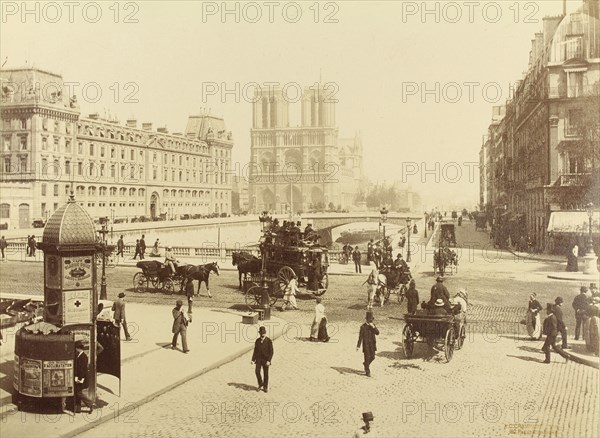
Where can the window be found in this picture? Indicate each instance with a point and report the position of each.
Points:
(68, 146)
(122, 153)
(91, 149)
(55, 189)
(112, 152)
(6, 143)
(44, 143)
(141, 171)
(55, 206)
(67, 189)
(91, 191)
(154, 172)
(43, 189)
(180, 160)
(23, 165)
(24, 143)
(102, 151)
(113, 191)
(56, 126)
(67, 167)
(55, 147)
(4, 211)
(154, 157)
(572, 122)
(102, 168)
(92, 168)
(23, 123)
(56, 167)
(131, 154)
(102, 191)
(575, 84)
(43, 206)
(44, 166)
(112, 170)
(79, 168)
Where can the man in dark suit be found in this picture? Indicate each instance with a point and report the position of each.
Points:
(263, 353)
(120, 246)
(81, 377)
(356, 259)
(120, 317)
(367, 338)
(438, 291)
(580, 304)
(142, 247)
(550, 330)
(562, 328)
(180, 324)
(138, 250)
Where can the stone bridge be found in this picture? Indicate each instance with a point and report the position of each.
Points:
(323, 221)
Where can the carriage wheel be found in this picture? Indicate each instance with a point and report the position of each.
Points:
(253, 296)
(461, 337)
(156, 283)
(449, 344)
(408, 341)
(284, 276)
(140, 282)
(168, 286)
(402, 294)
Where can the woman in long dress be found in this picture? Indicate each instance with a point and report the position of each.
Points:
(318, 322)
(572, 259)
(533, 321)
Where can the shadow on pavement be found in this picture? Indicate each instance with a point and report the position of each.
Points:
(405, 366)
(393, 355)
(526, 358)
(242, 386)
(358, 307)
(346, 370)
(530, 349)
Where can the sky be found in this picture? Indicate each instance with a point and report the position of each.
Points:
(417, 80)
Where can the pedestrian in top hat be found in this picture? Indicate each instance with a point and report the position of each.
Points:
(580, 304)
(562, 328)
(367, 429)
(180, 323)
(261, 357)
(120, 318)
(138, 250)
(366, 337)
(550, 330)
(81, 377)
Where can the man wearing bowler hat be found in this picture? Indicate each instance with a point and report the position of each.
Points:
(180, 323)
(562, 328)
(367, 429)
(263, 353)
(438, 290)
(81, 377)
(550, 330)
(120, 318)
(366, 337)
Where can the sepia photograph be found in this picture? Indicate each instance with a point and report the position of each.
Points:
(323, 219)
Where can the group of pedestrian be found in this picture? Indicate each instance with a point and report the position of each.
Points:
(585, 305)
(140, 247)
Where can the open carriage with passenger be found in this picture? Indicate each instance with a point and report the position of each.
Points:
(161, 277)
(443, 332)
(392, 280)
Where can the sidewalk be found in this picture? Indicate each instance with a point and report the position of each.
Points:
(148, 369)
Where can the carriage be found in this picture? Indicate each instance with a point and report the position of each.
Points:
(392, 281)
(445, 259)
(158, 275)
(282, 262)
(480, 221)
(447, 235)
(442, 331)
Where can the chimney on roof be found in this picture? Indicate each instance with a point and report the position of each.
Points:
(163, 130)
(94, 116)
(147, 126)
(132, 123)
(550, 25)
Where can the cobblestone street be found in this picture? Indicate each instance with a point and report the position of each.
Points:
(495, 386)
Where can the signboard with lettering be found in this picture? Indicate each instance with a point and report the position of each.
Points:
(77, 272)
(31, 377)
(58, 378)
(77, 307)
(53, 271)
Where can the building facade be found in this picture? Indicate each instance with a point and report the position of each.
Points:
(540, 154)
(116, 171)
(300, 168)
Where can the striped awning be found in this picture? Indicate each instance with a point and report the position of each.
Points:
(573, 222)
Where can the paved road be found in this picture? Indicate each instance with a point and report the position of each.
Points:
(495, 386)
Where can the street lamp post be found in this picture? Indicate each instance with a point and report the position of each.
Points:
(265, 221)
(103, 232)
(590, 259)
(384, 213)
(408, 222)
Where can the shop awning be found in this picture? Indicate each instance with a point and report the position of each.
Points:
(573, 222)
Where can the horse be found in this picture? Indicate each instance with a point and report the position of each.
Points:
(251, 265)
(200, 273)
